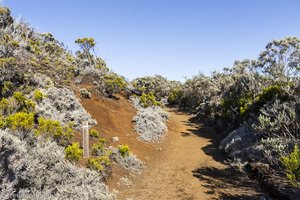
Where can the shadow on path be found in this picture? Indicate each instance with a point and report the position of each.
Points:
(229, 182)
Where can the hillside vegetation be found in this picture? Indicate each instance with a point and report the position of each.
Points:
(255, 105)
(40, 116)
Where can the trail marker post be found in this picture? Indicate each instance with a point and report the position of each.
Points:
(85, 137)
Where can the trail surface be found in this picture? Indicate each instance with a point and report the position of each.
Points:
(186, 165)
(189, 166)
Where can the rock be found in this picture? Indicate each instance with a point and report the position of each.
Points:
(115, 139)
(125, 181)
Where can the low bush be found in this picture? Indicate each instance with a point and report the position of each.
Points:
(26, 162)
(53, 128)
(23, 104)
(2, 122)
(160, 86)
(19, 97)
(124, 150)
(98, 164)
(98, 147)
(7, 88)
(73, 153)
(291, 163)
(148, 100)
(94, 133)
(38, 95)
(5, 106)
(150, 122)
(114, 84)
(175, 97)
(20, 121)
(84, 93)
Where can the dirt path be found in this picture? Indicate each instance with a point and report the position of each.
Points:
(187, 167)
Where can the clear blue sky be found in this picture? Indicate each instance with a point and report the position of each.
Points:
(174, 38)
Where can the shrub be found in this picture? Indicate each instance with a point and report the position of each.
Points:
(52, 128)
(2, 122)
(5, 17)
(4, 106)
(24, 104)
(114, 84)
(148, 100)
(130, 162)
(84, 93)
(7, 87)
(98, 147)
(98, 164)
(94, 133)
(30, 161)
(175, 97)
(20, 121)
(124, 150)
(19, 97)
(278, 119)
(38, 95)
(29, 106)
(73, 153)
(61, 104)
(291, 163)
(150, 123)
(160, 86)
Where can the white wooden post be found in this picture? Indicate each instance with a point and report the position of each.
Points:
(85, 136)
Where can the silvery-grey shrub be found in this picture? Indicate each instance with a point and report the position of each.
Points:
(150, 122)
(130, 162)
(31, 169)
(62, 105)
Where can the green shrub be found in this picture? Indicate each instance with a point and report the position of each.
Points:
(94, 133)
(24, 104)
(98, 164)
(20, 121)
(291, 163)
(19, 97)
(52, 128)
(98, 147)
(5, 62)
(7, 87)
(38, 95)
(124, 150)
(175, 96)
(148, 100)
(73, 152)
(2, 122)
(114, 84)
(29, 106)
(269, 93)
(4, 106)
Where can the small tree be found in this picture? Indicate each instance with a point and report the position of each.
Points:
(281, 60)
(86, 45)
